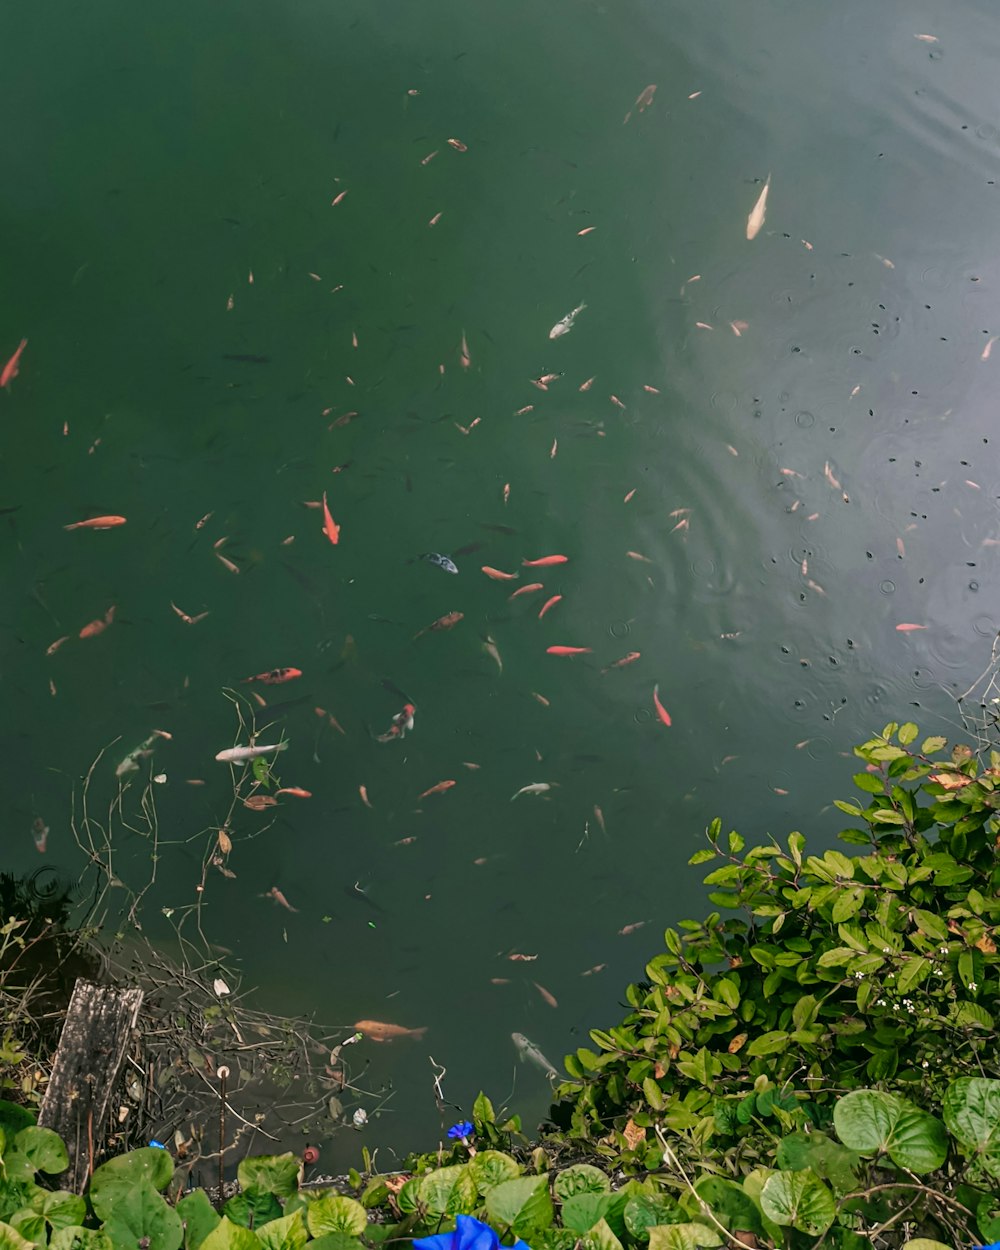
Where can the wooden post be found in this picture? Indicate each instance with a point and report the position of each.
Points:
(95, 1036)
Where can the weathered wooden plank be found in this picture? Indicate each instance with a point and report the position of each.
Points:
(95, 1037)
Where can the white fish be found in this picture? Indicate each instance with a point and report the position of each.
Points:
(530, 1053)
(236, 755)
(563, 327)
(536, 787)
(756, 219)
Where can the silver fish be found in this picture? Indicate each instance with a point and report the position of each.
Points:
(536, 787)
(130, 764)
(443, 562)
(235, 755)
(529, 1053)
(563, 327)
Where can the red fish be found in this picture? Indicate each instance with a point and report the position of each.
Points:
(549, 603)
(97, 523)
(908, 628)
(568, 650)
(93, 628)
(276, 676)
(297, 791)
(626, 659)
(533, 564)
(330, 527)
(499, 575)
(11, 367)
(661, 711)
(527, 590)
(438, 789)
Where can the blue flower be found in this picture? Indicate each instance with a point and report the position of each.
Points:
(469, 1234)
(461, 1130)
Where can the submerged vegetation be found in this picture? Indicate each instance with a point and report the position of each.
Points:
(812, 1065)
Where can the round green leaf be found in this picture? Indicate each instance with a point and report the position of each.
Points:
(924, 1243)
(272, 1174)
(523, 1204)
(11, 1239)
(60, 1208)
(229, 1236)
(645, 1211)
(252, 1208)
(730, 1204)
(116, 1178)
(449, 1191)
(44, 1148)
(600, 1236)
(682, 1237)
(919, 1141)
(333, 1213)
(581, 1178)
(76, 1238)
(141, 1215)
(864, 1119)
(971, 1110)
(798, 1200)
(29, 1224)
(581, 1212)
(199, 1217)
(286, 1233)
(490, 1167)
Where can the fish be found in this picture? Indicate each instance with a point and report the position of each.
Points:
(628, 929)
(10, 369)
(279, 898)
(527, 590)
(661, 711)
(442, 562)
(130, 763)
(93, 628)
(568, 650)
(908, 628)
(625, 659)
(566, 324)
(257, 802)
(379, 1031)
(296, 791)
(498, 575)
(549, 603)
(439, 788)
(237, 755)
(549, 997)
(756, 219)
(188, 620)
(363, 791)
(97, 523)
(536, 787)
(443, 622)
(53, 647)
(529, 1053)
(40, 834)
(275, 677)
(542, 561)
(490, 647)
(402, 724)
(644, 100)
(330, 527)
(465, 360)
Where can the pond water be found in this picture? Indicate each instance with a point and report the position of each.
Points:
(264, 251)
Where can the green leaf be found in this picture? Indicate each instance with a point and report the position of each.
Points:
(44, 1148)
(702, 856)
(971, 1109)
(582, 1211)
(229, 1236)
(931, 924)
(873, 1122)
(919, 1141)
(768, 1043)
(523, 1204)
(340, 1241)
(271, 1174)
(730, 1204)
(924, 1243)
(199, 1217)
(912, 973)
(13, 1118)
(908, 733)
(60, 1208)
(446, 1191)
(116, 1178)
(333, 1213)
(600, 1236)
(930, 745)
(482, 1111)
(11, 1239)
(887, 816)
(287, 1233)
(798, 1200)
(29, 1224)
(971, 1015)
(682, 1237)
(76, 1238)
(252, 1208)
(828, 1159)
(645, 1211)
(871, 783)
(581, 1178)
(490, 1167)
(139, 1213)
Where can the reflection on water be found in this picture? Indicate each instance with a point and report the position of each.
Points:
(253, 269)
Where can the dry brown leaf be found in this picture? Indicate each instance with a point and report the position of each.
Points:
(225, 842)
(951, 781)
(738, 1042)
(986, 945)
(633, 1134)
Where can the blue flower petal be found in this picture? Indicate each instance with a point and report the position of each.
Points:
(440, 1241)
(462, 1129)
(473, 1234)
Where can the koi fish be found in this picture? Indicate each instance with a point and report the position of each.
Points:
(296, 791)
(527, 590)
(645, 99)
(93, 628)
(402, 723)
(10, 369)
(442, 562)
(363, 791)
(97, 523)
(536, 787)
(661, 711)
(40, 834)
(499, 575)
(465, 360)
(549, 603)
(756, 219)
(237, 755)
(443, 622)
(275, 677)
(568, 650)
(907, 628)
(566, 324)
(279, 898)
(257, 802)
(330, 527)
(379, 1031)
(545, 560)
(490, 647)
(437, 789)
(549, 997)
(188, 620)
(529, 1053)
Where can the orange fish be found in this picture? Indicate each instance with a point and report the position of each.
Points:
(279, 898)
(97, 523)
(330, 527)
(568, 650)
(499, 575)
(661, 711)
(534, 564)
(626, 659)
(93, 628)
(257, 802)
(379, 1031)
(276, 676)
(448, 621)
(296, 791)
(11, 367)
(363, 791)
(527, 590)
(549, 603)
(438, 789)
(908, 629)
(549, 997)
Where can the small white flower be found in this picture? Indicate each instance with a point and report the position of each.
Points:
(880, 1002)
(925, 1064)
(973, 987)
(860, 976)
(943, 950)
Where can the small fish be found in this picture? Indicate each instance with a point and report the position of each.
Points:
(490, 647)
(10, 369)
(465, 360)
(442, 562)
(549, 603)
(566, 324)
(188, 620)
(907, 628)
(279, 898)
(439, 788)
(549, 997)
(661, 711)
(237, 755)
(585, 386)
(536, 787)
(599, 817)
(568, 650)
(517, 957)
(93, 628)
(756, 219)
(296, 792)
(645, 99)
(363, 791)
(275, 677)
(233, 568)
(330, 527)
(443, 622)
(593, 971)
(130, 764)
(40, 834)
(628, 929)
(97, 523)
(499, 575)
(257, 802)
(527, 590)
(378, 1031)
(541, 698)
(529, 1053)
(458, 145)
(545, 560)
(402, 724)
(53, 647)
